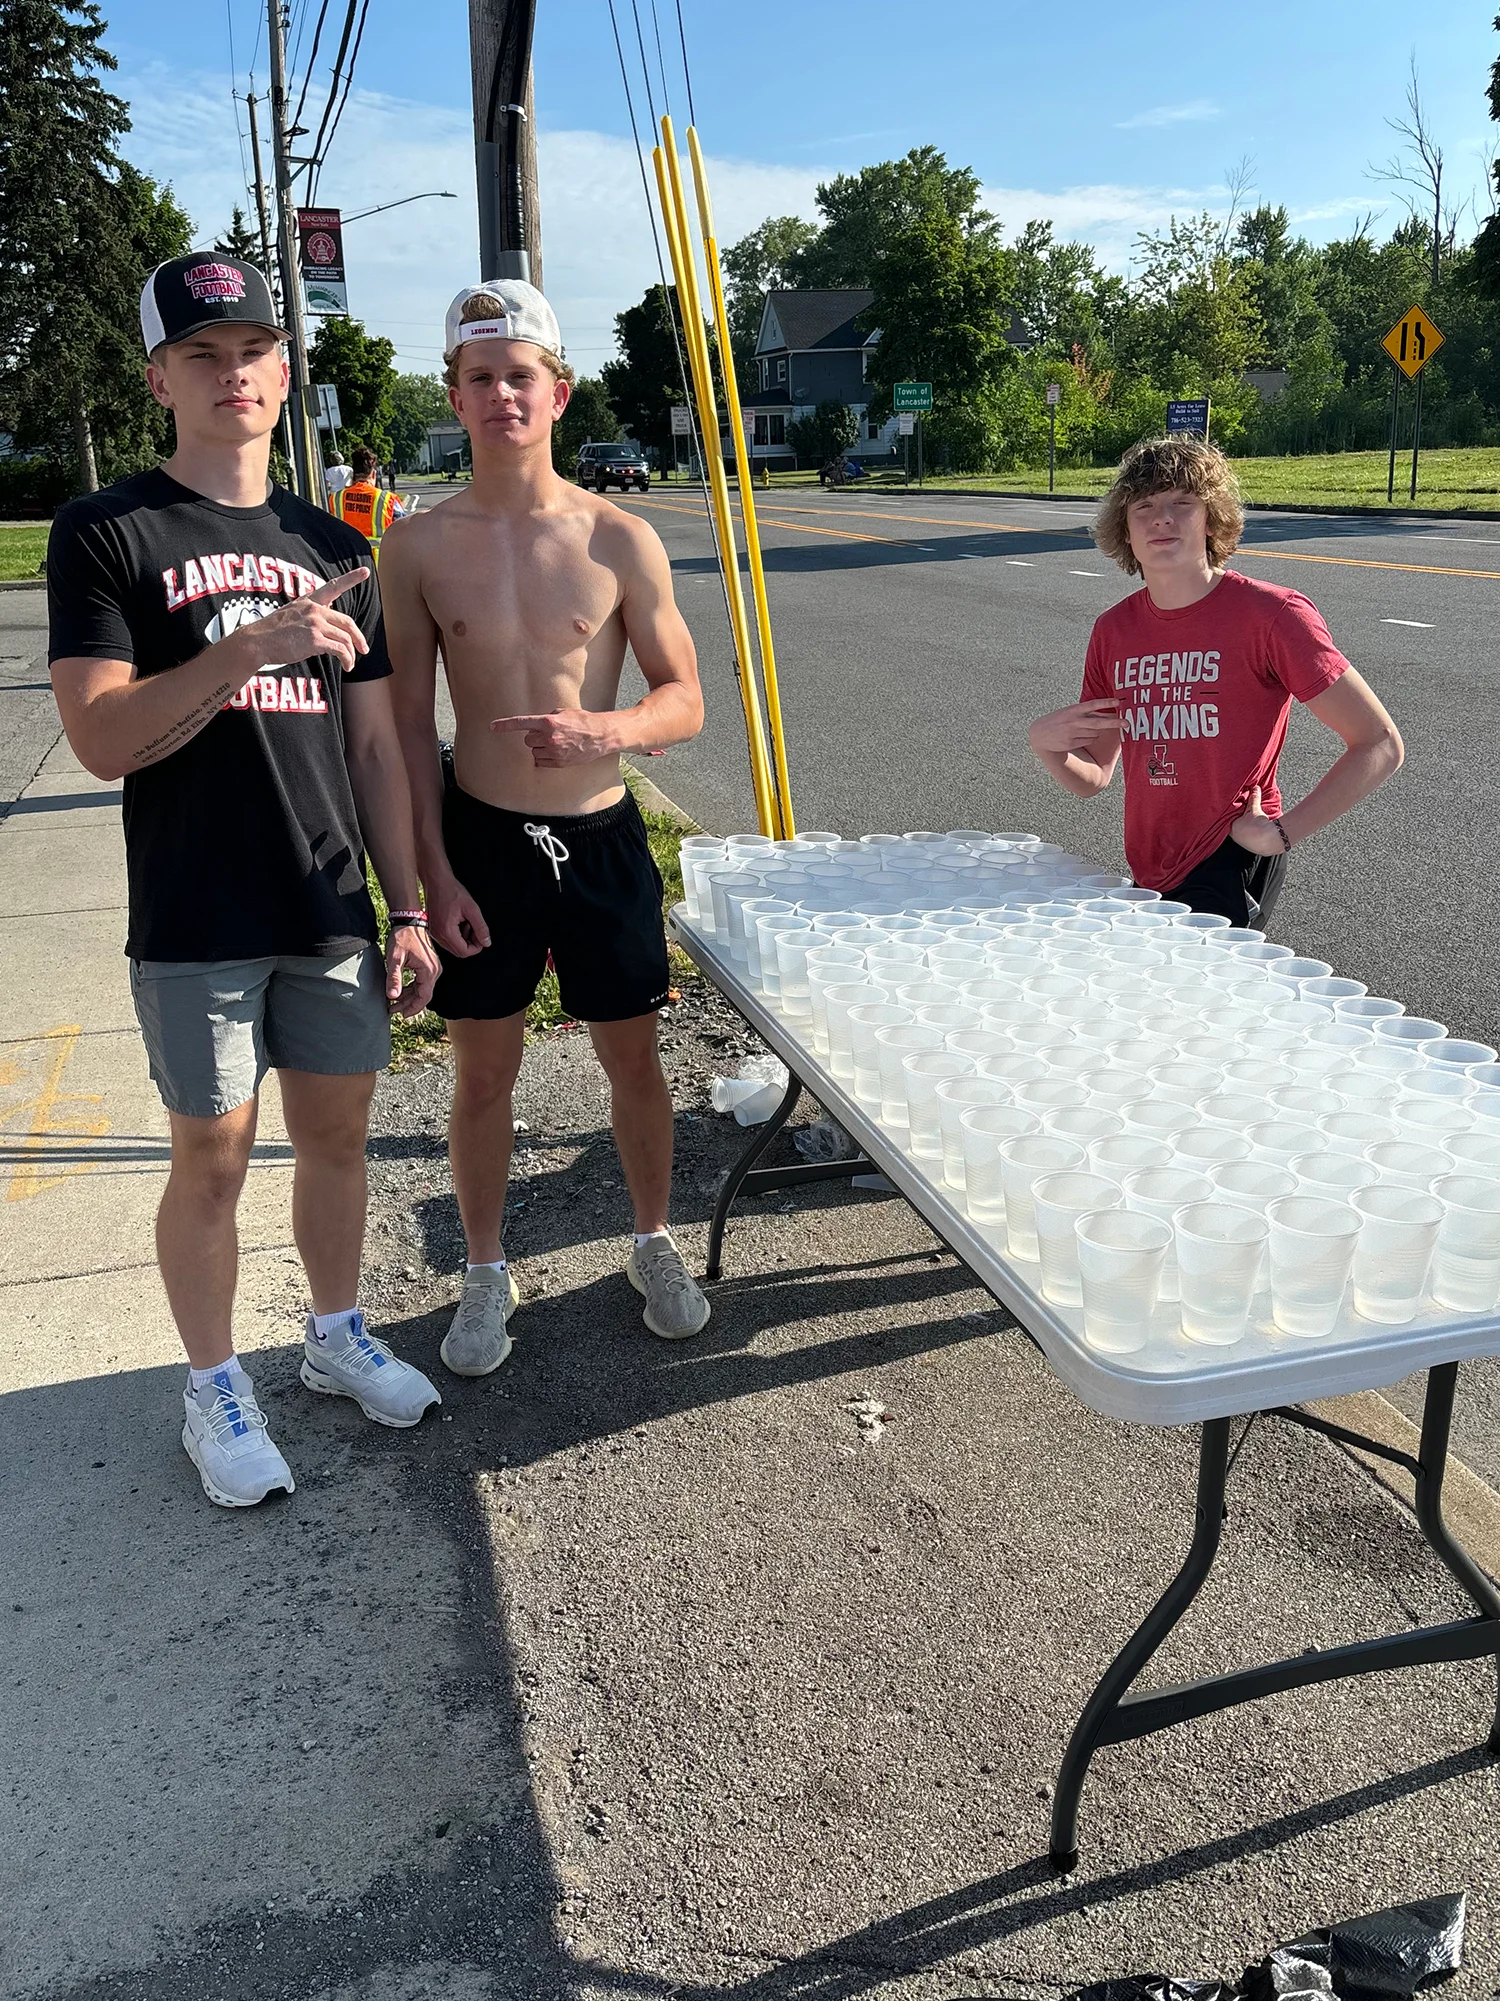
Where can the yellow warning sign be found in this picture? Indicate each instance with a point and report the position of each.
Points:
(1412, 342)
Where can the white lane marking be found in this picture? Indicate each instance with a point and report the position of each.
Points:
(1016, 563)
(1085, 573)
(969, 556)
(1420, 623)
(924, 548)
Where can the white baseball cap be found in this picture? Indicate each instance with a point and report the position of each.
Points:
(527, 316)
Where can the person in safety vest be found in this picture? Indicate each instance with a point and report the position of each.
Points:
(363, 504)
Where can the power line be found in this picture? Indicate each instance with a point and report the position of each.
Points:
(315, 150)
(312, 59)
(666, 95)
(364, 14)
(640, 42)
(687, 74)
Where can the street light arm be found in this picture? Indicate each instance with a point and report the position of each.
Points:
(432, 194)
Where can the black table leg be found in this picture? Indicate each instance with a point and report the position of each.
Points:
(736, 1176)
(1213, 1468)
(1432, 1460)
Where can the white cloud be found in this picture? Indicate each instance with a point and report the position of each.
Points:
(1108, 216)
(1195, 113)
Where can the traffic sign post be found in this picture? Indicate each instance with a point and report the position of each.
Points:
(1411, 344)
(916, 397)
(1054, 397)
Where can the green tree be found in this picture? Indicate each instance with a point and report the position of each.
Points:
(81, 230)
(416, 402)
(862, 214)
(1061, 294)
(942, 307)
(359, 365)
(644, 383)
(831, 429)
(761, 262)
(240, 241)
(589, 419)
(1487, 243)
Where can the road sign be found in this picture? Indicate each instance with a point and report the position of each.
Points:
(682, 423)
(1189, 415)
(912, 396)
(906, 423)
(1412, 342)
(323, 406)
(1054, 393)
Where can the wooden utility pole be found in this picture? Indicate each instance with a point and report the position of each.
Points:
(307, 465)
(510, 241)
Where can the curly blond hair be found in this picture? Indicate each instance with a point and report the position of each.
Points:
(484, 305)
(1172, 465)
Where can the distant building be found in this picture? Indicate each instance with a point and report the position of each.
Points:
(444, 449)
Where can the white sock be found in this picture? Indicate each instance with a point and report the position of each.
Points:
(325, 1323)
(489, 1264)
(198, 1377)
(645, 1236)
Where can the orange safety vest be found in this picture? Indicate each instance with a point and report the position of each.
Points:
(367, 507)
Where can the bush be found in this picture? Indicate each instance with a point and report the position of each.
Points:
(832, 429)
(34, 489)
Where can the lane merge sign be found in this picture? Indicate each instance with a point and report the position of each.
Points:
(911, 396)
(1412, 342)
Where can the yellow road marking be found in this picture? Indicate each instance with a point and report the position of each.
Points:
(43, 1111)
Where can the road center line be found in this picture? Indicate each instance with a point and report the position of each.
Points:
(1421, 623)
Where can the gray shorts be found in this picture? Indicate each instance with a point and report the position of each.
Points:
(213, 1027)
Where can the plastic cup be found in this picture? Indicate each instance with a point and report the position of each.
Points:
(950, 1018)
(1201, 1147)
(1023, 1162)
(1120, 1257)
(1312, 1248)
(1430, 1120)
(1252, 1184)
(864, 1025)
(1281, 1140)
(1046, 1094)
(792, 948)
(837, 1002)
(1304, 1103)
(1466, 1264)
(769, 928)
(922, 1072)
(1329, 991)
(1454, 1054)
(1314, 1064)
(1473, 1153)
(1332, 1174)
(1354, 1133)
(1218, 1246)
(1485, 1105)
(1393, 1255)
(1348, 1036)
(1250, 1075)
(1113, 1090)
(955, 1096)
(1126, 1153)
(921, 992)
(1438, 1080)
(982, 1042)
(1161, 1192)
(983, 1130)
(1406, 1164)
(1058, 1201)
(1366, 1009)
(1362, 1090)
(1408, 1028)
(1157, 1118)
(1233, 1111)
(892, 1047)
(1083, 1125)
(1387, 1059)
(832, 966)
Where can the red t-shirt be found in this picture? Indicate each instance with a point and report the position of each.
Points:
(1204, 696)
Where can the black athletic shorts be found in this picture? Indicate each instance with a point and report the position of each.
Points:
(1234, 883)
(581, 886)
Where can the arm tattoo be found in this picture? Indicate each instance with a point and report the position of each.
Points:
(186, 726)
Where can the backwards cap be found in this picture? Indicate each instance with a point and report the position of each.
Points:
(525, 316)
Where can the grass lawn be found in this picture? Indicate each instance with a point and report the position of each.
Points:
(425, 1033)
(1469, 477)
(22, 547)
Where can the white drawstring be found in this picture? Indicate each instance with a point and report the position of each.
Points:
(549, 844)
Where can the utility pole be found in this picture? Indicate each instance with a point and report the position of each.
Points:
(510, 241)
(307, 470)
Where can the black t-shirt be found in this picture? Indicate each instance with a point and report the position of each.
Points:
(244, 843)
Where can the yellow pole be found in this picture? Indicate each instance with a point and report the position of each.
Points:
(747, 495)
(669, 185)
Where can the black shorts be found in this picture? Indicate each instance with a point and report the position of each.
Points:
(1235, 884)
(581, 886)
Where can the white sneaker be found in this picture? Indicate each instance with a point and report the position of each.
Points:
(224, 1434)
(675, 1306)
(351, 1362)
(478, 1340)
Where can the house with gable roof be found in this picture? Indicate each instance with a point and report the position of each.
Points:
(809, 351)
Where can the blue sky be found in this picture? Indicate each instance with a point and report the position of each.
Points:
(1105, 118)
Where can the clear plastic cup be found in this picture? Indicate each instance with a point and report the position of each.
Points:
(1161, 1192)
(1332, 1174)
(1394, 1251)
(1406, 1164)
(892, 1047)
(1329, 991)
(792, 948)
(1348, 1036)
(1012, 1071)
(833, 966)
(1485, 1105)
(1354, 1133)
(982, 1131)
(1113, 1090)
(923, 1071)
(1316, 1065)
(987, 989)
(1281, 1140)
(1312, 1248)
(1215, 1050)
(1452, 1053)
(1261, 954)
(922, 992)
(1024, 1162)
(951, 1017)
(1387, 1059)
(1429, 1121)
(769, 927)
(1365, 1010)
(1251, 1075)
(1466, 1264)
(1120, 1257)
(1218, 1246)
(1126, 1153)
(1252, 1184)
(1435, 1080)
(1234, 1111)
(1082, 1125)
(982, 1042)
(1070, 1062)
(1362, 1090)
(1273, 1041)
(1408, 1028)
(864, 1025)
(1161, 1119)
(1058, 1201)
(1473, 1153)
(1046, 1094)
(1199, 1148)
(1305, 1103)
(955, 1096)
(837, 1002)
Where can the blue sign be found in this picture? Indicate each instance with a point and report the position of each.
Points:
(1188, 416)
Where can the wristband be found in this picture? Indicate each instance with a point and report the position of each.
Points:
(1286, 839)
(408, 917)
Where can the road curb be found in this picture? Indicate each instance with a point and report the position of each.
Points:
(654, 800)
(23, 584)
(1472, 1506)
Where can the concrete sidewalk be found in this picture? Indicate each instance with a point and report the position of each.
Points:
(637, 1669)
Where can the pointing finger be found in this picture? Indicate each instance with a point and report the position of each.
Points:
(336, 586)
(508, 725)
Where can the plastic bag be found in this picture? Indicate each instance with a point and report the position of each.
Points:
(754, 1095)
(1156, 1987)
(824, 1140)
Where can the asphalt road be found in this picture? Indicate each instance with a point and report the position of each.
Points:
(28, 715)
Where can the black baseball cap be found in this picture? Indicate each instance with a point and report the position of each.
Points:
(204, 289)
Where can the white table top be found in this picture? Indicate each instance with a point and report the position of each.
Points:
(1172, 1380)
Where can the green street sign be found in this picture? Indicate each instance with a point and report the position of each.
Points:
(912, 395)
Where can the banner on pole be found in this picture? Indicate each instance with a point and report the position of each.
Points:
(320, 245)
